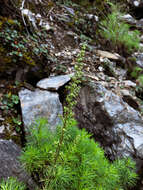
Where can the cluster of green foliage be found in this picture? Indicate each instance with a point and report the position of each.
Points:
(116, 31)
(12, 184)
(9, 104)
(9, 101)
(81, 163)
(137, 73)
(20, 47)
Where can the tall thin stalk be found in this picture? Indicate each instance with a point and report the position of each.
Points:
(68, 115)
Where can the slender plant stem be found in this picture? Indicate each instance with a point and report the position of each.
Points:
(68, 113)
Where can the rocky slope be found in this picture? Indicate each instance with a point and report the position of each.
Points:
(42, 39)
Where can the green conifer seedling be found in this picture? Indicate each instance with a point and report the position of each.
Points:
(12, 184)
(118, 33)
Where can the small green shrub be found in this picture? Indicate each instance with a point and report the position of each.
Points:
(137, 74)
(118, 32)
(81, 164)
(125, 169)
(12, 184)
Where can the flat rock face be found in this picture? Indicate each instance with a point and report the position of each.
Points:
(139, 59)
(10, 165)
(54, 83)
(109, 55)
(40, 104)
(117, 126)
(129, 19)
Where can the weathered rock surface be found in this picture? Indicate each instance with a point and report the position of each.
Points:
(111, 69)
(139, 59)
(10, 165)
(129, 19)
(129, 83)
(117, 126)
(54, 83)
(106, 54)
(40, 104)
(139, 24)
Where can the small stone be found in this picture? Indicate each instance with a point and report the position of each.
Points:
(38, 16)
(129, 83)
(73, 63)
(96, 18)
(58, 54)
(87, 69)
(141, 45)
(101, 59)
(139, 24)
(92, 77)
(125, 92)
(2, 128)
(70, 10)
(106, 54)
(141, 38)
(54, 83)
(47, 27)
(129, 19)
(90, 16)
(139, 59)
(101, 69)
(136, 3)
(1, 118)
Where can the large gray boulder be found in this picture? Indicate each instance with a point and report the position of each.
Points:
(40, 104)
(117, 126)
(10, 165)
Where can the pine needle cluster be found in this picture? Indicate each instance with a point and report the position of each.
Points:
(12, 184)
(81, 164)
(118, 33)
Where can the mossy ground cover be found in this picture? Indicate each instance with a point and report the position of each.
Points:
(18, 48)
(10, 112)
